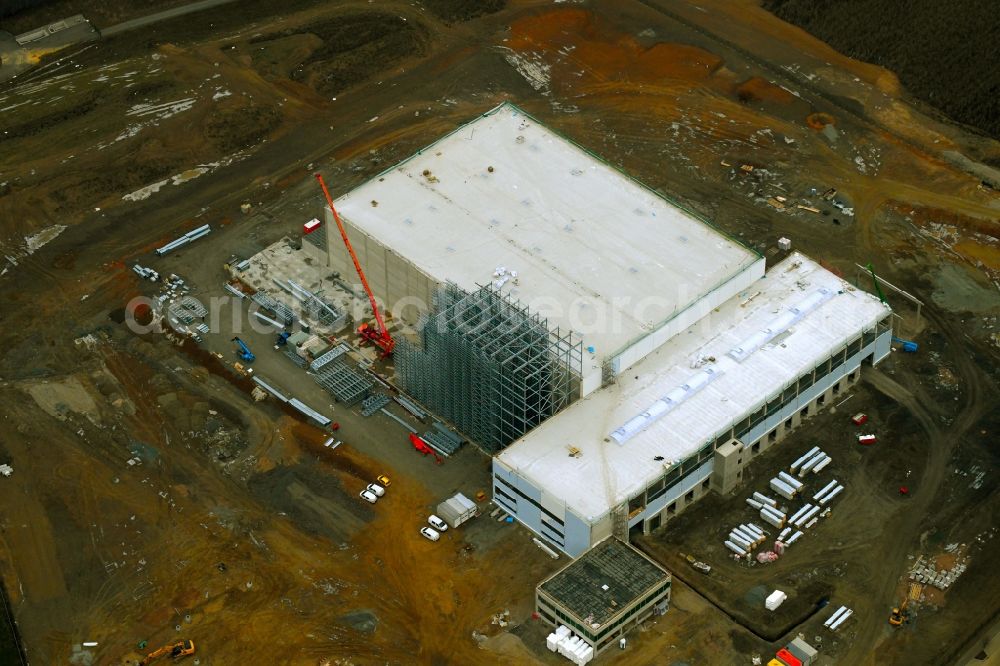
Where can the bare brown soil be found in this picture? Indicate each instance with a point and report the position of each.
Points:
(98, 549)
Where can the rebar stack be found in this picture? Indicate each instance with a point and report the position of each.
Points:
(489, 365)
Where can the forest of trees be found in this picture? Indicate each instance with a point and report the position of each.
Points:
(945, 53)
(11, 7)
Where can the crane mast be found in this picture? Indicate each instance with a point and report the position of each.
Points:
(379, 337)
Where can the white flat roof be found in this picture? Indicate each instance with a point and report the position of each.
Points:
(608, 472)
(585, 240)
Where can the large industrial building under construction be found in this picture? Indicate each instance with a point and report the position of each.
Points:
(619, 355)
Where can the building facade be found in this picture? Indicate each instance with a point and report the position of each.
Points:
(602, 595)
(536, 479)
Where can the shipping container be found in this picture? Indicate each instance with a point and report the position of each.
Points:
(456, 510)
(788, 658)
(804, 652)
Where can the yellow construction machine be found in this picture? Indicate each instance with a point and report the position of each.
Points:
(177, 650)
(898, 615)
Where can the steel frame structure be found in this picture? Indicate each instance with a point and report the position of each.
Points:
(343, 383)
(489, 365)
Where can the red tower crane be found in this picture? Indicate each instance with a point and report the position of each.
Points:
(377, 334)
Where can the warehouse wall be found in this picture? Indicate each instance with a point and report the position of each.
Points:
(542, 513)
(405, 290)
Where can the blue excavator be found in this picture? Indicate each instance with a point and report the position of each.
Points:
(244, 351)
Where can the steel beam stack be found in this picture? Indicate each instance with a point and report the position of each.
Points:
(343, 383)
(281, 311)
(489, 365)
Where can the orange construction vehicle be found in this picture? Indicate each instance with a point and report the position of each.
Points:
(898, 615)
(179, 649)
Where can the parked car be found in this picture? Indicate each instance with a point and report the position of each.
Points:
(384, 480)
(369, 496)
(437, 523)
(433, 535)
(376, 489)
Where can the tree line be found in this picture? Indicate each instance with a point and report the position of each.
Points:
(942, 52)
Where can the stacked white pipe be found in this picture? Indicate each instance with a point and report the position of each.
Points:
(838, 618)
(764, 499)
(744, 538)
(807, 516)
(772, 516)
(798, 514)
(782, 488)
(828, 492)
(824, 490)
(184, 240)
(803, 458)
(823, 463)
(818, 459)
(736, 549)
(841, 620)
(791, 481)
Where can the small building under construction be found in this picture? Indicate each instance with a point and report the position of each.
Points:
(604, 594)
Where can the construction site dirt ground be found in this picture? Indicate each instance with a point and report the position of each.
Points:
(234, 527)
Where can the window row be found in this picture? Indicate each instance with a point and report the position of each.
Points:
(773, 406)
(507, 486)
(565, 619)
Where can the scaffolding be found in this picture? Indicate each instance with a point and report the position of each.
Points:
(489, 365)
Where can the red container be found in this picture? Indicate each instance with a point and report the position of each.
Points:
(867, 440)
(310, 226)
(788, 658)
(859, 418)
